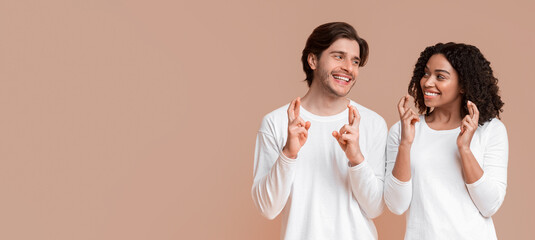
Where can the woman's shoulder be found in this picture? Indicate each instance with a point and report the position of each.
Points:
(493, 127)
(395, 129)
(493, 124)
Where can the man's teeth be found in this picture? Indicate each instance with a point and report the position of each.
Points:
(430, 94)
(342, 78)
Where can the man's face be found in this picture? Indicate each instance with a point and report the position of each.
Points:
(337, 69)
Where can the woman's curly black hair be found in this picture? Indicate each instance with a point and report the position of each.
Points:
(476, 79)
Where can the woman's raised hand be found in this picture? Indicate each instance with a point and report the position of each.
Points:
(408, 119)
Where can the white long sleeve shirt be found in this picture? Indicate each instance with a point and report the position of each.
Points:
(439, 204)
(319, 195)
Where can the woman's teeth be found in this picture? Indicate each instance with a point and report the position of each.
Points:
(430, 94)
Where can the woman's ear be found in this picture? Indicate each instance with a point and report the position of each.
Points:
(312, 61)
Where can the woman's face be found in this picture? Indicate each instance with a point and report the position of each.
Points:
(440, 83)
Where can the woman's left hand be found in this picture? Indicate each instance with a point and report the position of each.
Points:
(469, 126)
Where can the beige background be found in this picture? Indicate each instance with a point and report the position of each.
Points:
(137, 119)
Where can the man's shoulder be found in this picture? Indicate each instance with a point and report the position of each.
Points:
(278, 113)
(367, 113)
(275, 119)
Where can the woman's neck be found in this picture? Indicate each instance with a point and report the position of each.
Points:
(444, 118)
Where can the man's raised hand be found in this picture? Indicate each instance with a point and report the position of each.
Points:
(348, 137)
(297, 130)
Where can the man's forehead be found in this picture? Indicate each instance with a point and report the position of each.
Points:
(345, 53)
(345, 46)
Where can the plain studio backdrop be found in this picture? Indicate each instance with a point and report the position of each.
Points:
(137, 119)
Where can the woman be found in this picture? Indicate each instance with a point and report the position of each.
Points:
(448, 167)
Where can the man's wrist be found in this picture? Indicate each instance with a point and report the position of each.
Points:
(356, 160)
(287, 154)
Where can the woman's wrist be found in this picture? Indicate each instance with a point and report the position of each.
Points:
(406, 145)
(464, 149)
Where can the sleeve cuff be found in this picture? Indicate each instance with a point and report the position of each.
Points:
(399, 182)
(358, 166)
(287, 160)
(476, 183)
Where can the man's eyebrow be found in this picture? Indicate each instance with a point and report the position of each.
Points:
(343, 53)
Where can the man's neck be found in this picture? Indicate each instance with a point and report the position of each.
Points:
(323, 104)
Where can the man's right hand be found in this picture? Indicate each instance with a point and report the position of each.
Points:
(297, 130)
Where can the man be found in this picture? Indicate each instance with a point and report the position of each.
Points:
(320, 160)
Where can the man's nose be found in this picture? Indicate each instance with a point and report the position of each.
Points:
(348, 65)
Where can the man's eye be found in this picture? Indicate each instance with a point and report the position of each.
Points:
(338, 57)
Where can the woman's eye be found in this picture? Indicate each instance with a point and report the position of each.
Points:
(356, 62)
(441, 77)
(426, 74)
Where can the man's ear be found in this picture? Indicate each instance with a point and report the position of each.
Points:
(312, 61)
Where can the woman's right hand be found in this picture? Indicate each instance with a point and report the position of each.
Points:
(408, 119)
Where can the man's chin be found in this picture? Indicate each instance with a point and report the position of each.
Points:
(340, 93)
